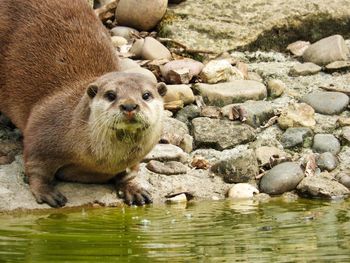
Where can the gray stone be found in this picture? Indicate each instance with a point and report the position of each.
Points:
(133, 13)
(281, 178)
(327, 161)
(194, 68)
(188, 113)
(236, 91)
(257, 112)
(326, 143)
(327, 102)
(123, 31)
(238, 169)
(321, 187)
(174, 132)
(296, 137)
(304, 69)
(345, 180)
(327, 50)
(220, 134)
(166, 152)
(275, 88)
(167, 168)
(298, 48)
(152, 49)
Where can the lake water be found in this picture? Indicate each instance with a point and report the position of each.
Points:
(220, 231)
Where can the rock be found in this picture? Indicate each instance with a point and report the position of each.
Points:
(123, 31)
(265, 153)
(152, 49)
(211, 112)
(304, 69)
(275, 88)
(181, 198)
(174, 131)
(187, 143)
(242, 191)
(281, 178)
(257, 112)
(219, 71)
(327, 50)
(321, 187)
(326, 143)
(140, 14)
(167, 168)
(345, 180)
(346, 135)
(296, 137)
(238, 169)
(326, 102)
(298, 48)
(144, 72)
(222, 94)
(188, 113)
(255, 76)
(220, 134)
(191, 66)
(127, 63)
(325, 123)
(338, 66)
(179, 92)
(166, 152)
(297, 115)
(344, 121)
(137, 47)
(118, 41)
(327, 161)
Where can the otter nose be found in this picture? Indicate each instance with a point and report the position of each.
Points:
(129, 107)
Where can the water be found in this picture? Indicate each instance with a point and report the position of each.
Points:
(225, 231)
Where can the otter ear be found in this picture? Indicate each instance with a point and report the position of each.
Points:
(162, 89)
(92, 90)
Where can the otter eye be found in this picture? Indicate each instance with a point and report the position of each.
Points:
(110, 96)
(147, 96)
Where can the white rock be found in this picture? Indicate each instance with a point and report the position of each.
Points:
(219, 70)
(242, 191)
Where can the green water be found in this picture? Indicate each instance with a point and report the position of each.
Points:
(275, 231)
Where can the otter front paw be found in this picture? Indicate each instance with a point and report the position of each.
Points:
(48, 194)
(133, 194)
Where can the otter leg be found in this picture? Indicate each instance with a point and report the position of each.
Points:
(127, 188)
(40, 176)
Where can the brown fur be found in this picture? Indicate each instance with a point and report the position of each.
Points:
(51, 53)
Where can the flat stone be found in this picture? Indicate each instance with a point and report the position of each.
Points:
(326, 143)
(338, 66)
(327, 102)
(238, 169)
(132, 13)
(297, 115)
(166, 152)
(182, 92)
(296, 136)
(167, 168)
(152, 49)
(327, 50)
(265, 153)
(123, 31)
(327, 161)
(282, 178)
(304, 69)
(257, 113)
(321, 187)
(220, 134)
(219, 71)
(236, 91)
(194, 68)
(275, 88)
(242, 191)
(298, 48)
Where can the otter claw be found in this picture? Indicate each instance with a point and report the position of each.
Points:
(134, 195)
(50, 196)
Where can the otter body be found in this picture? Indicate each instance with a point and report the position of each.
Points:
(82, 120)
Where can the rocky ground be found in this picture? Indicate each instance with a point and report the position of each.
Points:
(238, 124)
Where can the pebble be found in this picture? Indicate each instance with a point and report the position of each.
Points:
(193, 67)
(166, 152)
(242, 191)
(304, 69)
(297, 115)
(327, 50)
(238, 169)
(144, 72)
(321, 187)
(326, 143)
(133, 13)
(275, 88)
(220, 134)
(181, 92)
(298, 48)
(338, 66)
(345, 180)
(181, 198)
(152, 49)
(219, 71)
(167, 168)
(327, 161)
(296, 136)
(282, 178)
(326, 102)
(236, 91)
(123, 31)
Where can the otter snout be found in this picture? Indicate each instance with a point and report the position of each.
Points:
(129, 107)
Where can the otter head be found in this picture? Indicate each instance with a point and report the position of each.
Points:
(124, 106)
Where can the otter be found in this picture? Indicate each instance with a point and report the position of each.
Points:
(82, 120)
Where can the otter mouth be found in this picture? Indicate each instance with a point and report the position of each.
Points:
(128, 123)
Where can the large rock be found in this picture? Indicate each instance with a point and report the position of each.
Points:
(221, 25)
(140, 14)
(220, 134)
(222, 94)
